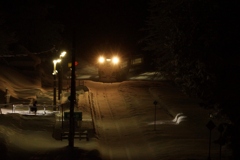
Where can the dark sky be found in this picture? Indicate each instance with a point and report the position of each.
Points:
(101, 25)
(104, 25)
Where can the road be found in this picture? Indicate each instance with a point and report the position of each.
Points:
(118, 131)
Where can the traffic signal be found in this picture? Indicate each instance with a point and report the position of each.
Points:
(70, 64)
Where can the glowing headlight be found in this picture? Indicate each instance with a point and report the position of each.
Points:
(101, 59)
(115, 60)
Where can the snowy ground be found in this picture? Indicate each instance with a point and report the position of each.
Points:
(124, 119)
(125, 116)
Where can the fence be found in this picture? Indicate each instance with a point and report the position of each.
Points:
(26, 108)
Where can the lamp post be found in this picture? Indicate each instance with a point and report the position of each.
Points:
(55, 81)
(60, 76)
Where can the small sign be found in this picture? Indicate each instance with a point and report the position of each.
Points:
(77, 116)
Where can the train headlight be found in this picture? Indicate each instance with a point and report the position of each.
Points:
(101, 59)
(115, 60)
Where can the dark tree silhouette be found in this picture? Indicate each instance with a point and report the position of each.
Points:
(195, 43)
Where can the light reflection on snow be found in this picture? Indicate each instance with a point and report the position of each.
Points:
(139, 77)
(148, 73)
(148, 76)
(84, 77)
(177, 119)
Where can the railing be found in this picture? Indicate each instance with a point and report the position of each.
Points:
(27, 107)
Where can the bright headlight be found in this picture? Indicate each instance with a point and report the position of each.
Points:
(101, 59)
(115, 60)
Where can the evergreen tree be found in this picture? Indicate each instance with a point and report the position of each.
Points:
(195, 43)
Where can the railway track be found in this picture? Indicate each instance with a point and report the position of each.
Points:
(111, 129)
(117, 130)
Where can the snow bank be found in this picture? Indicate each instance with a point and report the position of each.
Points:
(16, 83)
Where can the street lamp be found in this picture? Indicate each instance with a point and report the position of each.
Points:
(55, 81)
(63, 54)
(55, 61)
(60, 76)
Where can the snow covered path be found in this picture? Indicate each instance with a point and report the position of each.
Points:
(125, 123)
(117, 129)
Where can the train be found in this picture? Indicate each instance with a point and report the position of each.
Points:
(114, 68)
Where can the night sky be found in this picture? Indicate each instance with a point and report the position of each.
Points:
(101, 25)
(105, 25)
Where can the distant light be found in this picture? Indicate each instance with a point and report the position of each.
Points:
(101, 59)
(115, 60)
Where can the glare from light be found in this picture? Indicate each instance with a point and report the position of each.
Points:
(115, 60)
(63, 54)
(101, 59)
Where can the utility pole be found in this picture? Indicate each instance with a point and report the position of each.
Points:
(54, 91)
(73, 92)
(60, 82)
(55, 82)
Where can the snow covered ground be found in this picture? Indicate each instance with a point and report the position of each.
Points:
(124, 119)
(126, 122)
